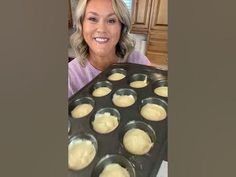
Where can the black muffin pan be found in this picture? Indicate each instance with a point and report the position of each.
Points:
(109, 146)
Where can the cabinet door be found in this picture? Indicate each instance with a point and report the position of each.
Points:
(157, 44)
(159, 15)
(140, 16)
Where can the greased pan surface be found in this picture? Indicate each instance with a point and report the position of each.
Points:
(110, 145)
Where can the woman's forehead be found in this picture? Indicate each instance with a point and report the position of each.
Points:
(100, 7)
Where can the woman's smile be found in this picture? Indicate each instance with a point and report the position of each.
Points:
(101, 40)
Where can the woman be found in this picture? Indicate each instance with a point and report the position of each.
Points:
(101, 39)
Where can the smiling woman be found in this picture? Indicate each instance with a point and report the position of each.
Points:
(101, 39)
(101, 31)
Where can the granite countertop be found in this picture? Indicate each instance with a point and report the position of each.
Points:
(163, 171)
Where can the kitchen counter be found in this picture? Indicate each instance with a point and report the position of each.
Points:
(163, 171)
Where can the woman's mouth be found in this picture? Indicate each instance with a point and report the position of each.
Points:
(101, 39)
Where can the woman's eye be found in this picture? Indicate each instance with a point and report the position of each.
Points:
(93, 19)
(111, 21)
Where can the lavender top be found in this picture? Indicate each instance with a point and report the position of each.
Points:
(79, 76)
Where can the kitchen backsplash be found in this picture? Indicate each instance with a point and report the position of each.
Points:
(141, 41)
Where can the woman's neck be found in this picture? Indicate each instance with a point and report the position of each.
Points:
(101, 63)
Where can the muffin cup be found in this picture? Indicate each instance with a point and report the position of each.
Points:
(157, 76)
(123, 92)
(79, 101)
(117, 70)
(139, 77)
(154, 100)
(113, 158)
(84, 136)
(112, 111)
(139, 125)
(159, 83)
(101, 84)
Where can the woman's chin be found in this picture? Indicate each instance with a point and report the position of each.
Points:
(102, 53)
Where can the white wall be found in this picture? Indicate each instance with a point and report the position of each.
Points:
(141, 41)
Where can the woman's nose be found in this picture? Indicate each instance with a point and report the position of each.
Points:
(101, 26)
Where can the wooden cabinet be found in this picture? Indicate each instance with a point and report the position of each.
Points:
(159, 15)
(141, 16)
(153, 21)
(157, 40)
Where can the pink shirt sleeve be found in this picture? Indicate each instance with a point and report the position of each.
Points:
(79, 76)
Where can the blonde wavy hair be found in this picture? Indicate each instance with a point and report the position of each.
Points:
(126, 43)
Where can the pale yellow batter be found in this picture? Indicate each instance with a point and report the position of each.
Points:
(116, 76)
(80, 154)
(105, 123)
(161, 91)
(81, 110)
(137, 141)
(123, 100)
(153, 112)
(138, 84)
(114, 170)
(101, 91)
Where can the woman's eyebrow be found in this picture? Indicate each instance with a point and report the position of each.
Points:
(95, 13)
(111, 14)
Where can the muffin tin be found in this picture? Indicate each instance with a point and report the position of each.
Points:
(110, 148)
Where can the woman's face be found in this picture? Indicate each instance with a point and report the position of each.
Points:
(101, 28)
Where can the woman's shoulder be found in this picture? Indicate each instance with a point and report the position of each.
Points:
(75, 68)
(138, 58)
(74, 62)
(75, 65)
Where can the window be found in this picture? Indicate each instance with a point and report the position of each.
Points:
(129, 4)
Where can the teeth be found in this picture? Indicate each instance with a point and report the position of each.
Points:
(101, 39)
